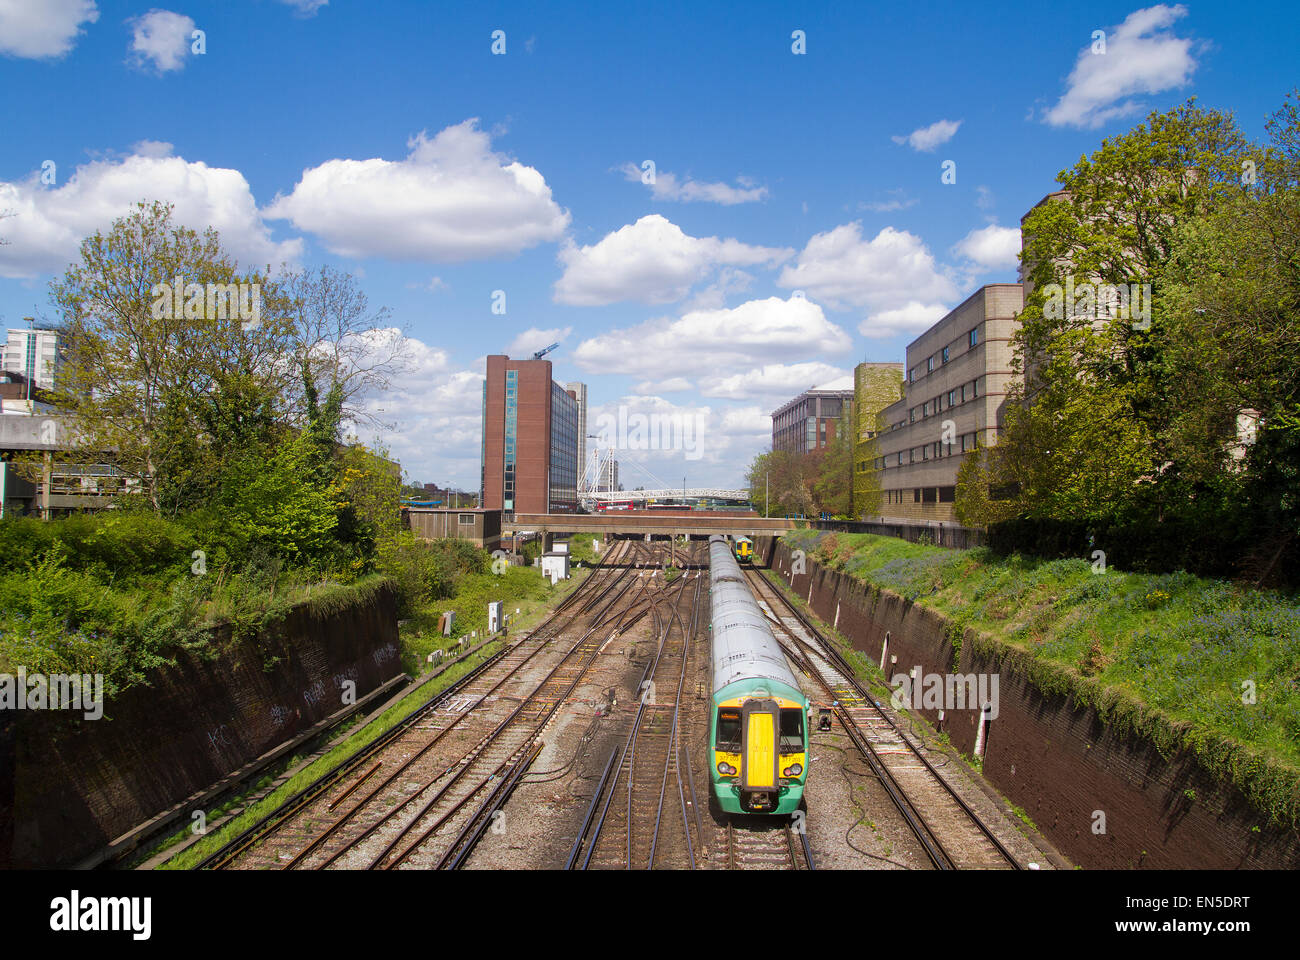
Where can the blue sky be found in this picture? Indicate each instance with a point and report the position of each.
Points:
(387, 139)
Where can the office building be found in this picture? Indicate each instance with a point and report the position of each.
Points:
(958, 372)
(809, 422)
(529, 456)
(34, 354)
(607, 477)
(579, 393)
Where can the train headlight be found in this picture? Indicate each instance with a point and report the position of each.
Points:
(726, 769)
(793, 770)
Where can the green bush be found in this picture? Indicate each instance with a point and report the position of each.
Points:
(120, 545)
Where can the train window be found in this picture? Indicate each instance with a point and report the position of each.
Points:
(728, 731)
(791, 731)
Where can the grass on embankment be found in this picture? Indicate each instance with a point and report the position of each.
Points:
(520, 588)
(1173, 657)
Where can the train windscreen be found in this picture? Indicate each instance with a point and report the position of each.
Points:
(791, 731)
(729, 731)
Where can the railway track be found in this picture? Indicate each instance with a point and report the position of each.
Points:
(427, 791)
(767, 843)
(950, 831)
(644, 811)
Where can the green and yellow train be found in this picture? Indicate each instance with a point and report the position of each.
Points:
(758, 725)
(744, 550)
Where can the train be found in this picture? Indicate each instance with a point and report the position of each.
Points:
(744, 550)
(758, 716)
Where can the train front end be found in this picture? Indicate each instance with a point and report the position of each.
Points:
(760, 749)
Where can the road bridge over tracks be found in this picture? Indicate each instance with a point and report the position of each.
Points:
(655, 523)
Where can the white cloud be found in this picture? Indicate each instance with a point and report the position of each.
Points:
(898, 200)
(911, 317)
(306, 8)
(928, 138)
(891, 270)
(452, 199)
(432, 286)
(728, 281)
(160, 38)
(533, 339)
(687, 439)
(429, 397)
(1142, 56)
(650, 261)
(992, 247)
(50, 223)
(152, 148)
(707, 342)
(667, 186)
(774, 382)
(46, 29)
(671, 385)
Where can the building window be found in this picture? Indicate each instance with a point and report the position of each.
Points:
(911, 415)
(952, 397)
(900, 458)
(973, 337)
(945, 354)
(465, 519)
(929, 365)
(974, 388)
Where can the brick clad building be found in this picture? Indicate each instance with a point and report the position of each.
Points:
(530, 439)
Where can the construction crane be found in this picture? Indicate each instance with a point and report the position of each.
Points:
(541, 353)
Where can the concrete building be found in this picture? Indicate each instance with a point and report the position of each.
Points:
(809, 422)
(20, 396)
(529, 458)
(34, 482)
(875, 387)
(607, 477)
(958, 372)
(34, 354)
(578, 391)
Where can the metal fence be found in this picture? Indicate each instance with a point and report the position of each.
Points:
(939, 534)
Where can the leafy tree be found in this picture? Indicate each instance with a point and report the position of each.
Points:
(1087, 431)
(1232, 305)
(264, 505)
(166, 397)
(833, 487)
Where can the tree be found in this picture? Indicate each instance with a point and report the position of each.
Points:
(1232, 305)
(264, 505)
(342, 343)
(167, 396)
(1087, 431)
(786, 479)
(833, 487)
